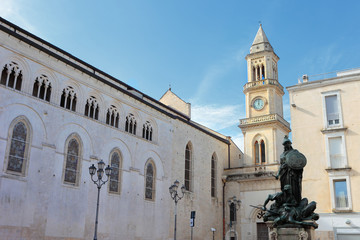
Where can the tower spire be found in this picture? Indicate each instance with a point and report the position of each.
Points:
(261, 42)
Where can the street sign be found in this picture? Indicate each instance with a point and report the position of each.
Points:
(192, 222)
(192, 219)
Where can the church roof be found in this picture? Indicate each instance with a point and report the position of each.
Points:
(260, 42)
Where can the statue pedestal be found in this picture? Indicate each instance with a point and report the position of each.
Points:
(291, 232)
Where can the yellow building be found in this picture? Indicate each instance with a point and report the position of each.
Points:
(325, 119)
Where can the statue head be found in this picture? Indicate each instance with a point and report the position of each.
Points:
(287, 143)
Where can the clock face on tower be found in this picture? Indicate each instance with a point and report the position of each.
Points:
(258, 104)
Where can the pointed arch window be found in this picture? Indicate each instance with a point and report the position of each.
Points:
(188, 167)
(150, 181)
(147, 131)
(72, 161)
(19, 148)
(112, 116)
(92, 108)
(213, 175)
(115, 177)
(262, 151)
(42, 88)
(130, 124)
(68, 99)
(257, 73)
(11, 76)
(259, 152)
(254, 74)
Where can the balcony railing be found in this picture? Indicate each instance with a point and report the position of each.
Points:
(262, 119)
(322, 76)
(263, 83)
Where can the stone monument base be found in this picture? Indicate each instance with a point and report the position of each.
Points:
(291, 232)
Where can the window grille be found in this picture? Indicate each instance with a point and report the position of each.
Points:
(150, 181)
(42, 88)
(18, 148)
(11, 76)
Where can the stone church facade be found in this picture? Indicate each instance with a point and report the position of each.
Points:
(59, 115)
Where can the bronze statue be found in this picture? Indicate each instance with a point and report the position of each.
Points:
(289, 208)
(290, 172)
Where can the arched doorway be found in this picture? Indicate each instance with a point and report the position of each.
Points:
(231, 235)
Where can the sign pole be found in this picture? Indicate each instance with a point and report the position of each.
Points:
(192, 222)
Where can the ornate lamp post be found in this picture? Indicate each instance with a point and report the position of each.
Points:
(213, 232)
(234, 205)
(99, 182)
(176, 197)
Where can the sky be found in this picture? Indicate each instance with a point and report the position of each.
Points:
(197, 47)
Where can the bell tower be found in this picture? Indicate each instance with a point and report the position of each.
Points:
(264, 126)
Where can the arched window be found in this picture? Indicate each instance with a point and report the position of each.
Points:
(11, 76)
(262, 72)
(115, 177)
(19, 148)
(130, 124)
(262, 150)
(72, 158)
(112, 116)
(147, 131)
(188, 167)
(42, 88)
(68, 99)
(92, 108)
(257, 152)
(213, 175)
(253, 74)
(150, 181)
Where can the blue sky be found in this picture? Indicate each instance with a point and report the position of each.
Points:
(198, 47)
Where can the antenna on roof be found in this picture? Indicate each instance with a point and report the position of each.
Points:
(170, 86)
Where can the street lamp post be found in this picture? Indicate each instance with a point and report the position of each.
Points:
(234, 205)
(213, 232)
(99, 182)
(176, 197)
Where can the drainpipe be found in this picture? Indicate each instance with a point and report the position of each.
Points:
(229, 151)
(223, 197)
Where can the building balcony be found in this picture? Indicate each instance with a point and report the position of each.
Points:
(252, 172)
(263, 82)
(271, 118)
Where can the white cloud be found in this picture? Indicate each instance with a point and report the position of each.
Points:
(239, 140)
(214, 74)
(323, 60)
(14, 11)
(223, 119)
(216, 117)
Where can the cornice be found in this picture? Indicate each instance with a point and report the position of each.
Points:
(261, 121)
(324, 82)
(265, 83)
